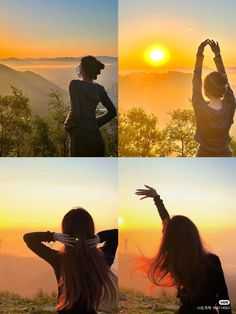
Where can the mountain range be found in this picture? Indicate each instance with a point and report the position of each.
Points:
(33, 85)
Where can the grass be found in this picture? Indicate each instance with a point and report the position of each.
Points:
(135, 302)
(41, 303)
(131, 302)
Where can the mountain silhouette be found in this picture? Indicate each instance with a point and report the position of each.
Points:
(32, 85)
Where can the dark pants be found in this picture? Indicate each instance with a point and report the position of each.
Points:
(86, 143)
(205, 153)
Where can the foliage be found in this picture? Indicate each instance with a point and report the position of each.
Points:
(25, 134)
(178, 135)
(138, 133)
(42, 144)
(58, 111)
(233, 146)
(140, 136)
(110, 135)
(15, 119)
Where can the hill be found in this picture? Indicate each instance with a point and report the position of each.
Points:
(25, 276)
(33, 85)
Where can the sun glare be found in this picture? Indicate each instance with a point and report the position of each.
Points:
(156, 55)
(120, 221)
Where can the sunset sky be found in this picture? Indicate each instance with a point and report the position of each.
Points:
(203, 190)
(36, 193)
(178, 26)
(57, 28)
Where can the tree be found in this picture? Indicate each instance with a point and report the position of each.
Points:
(177, 138)
(58, 111)
(110, 135)
(138, 133)
(42, 145)
(15, 118)
(233, 147)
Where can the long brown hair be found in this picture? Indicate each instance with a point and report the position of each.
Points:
(85, 277)
(181, 259)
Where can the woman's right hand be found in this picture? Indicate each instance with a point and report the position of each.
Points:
(202, 47)
(148, 192)
(65, 239)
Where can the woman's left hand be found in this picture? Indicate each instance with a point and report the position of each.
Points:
(215, 47)
(148, 192)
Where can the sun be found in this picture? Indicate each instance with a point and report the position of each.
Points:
(120, 221)
(156, 55)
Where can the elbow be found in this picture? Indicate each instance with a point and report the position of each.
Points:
(113, 112)
(26, 237)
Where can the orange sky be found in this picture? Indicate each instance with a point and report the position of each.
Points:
(179, 27)
(58, 28)
(37, 192)
(188, 186)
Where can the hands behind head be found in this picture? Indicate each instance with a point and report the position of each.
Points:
(148, 192)
(65, 239)
(70, 241)
(214, 47)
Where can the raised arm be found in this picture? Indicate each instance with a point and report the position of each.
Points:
(197, 76)
(34, 242)
(111, 110)
(74, 113)
(229, 95)
(109, 238)
(152, 193)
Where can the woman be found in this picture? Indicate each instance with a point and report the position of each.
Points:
(214, 118)
(85, 281)
(82, 123)
(182, 261)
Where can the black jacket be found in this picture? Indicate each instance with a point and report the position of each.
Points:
(34, 242)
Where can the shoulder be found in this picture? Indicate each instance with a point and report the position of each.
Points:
(74, 83)
(213, 259)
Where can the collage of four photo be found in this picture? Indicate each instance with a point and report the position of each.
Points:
(117, 146)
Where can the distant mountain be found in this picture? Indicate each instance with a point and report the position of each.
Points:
(157, 93)
(25, 276)
(33, 85)
(105, 59)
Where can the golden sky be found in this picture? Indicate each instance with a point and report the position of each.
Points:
(179, 27)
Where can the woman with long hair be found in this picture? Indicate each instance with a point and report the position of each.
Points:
(85, 281)
(184, 263)
(81, 123)
(214, 118)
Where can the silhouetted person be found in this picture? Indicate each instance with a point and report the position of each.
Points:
(85, 281)
(184, 263)
(214, 117)
(82, 123)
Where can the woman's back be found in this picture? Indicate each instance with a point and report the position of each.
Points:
(85, 98)
(34, 240)
(213, 290)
